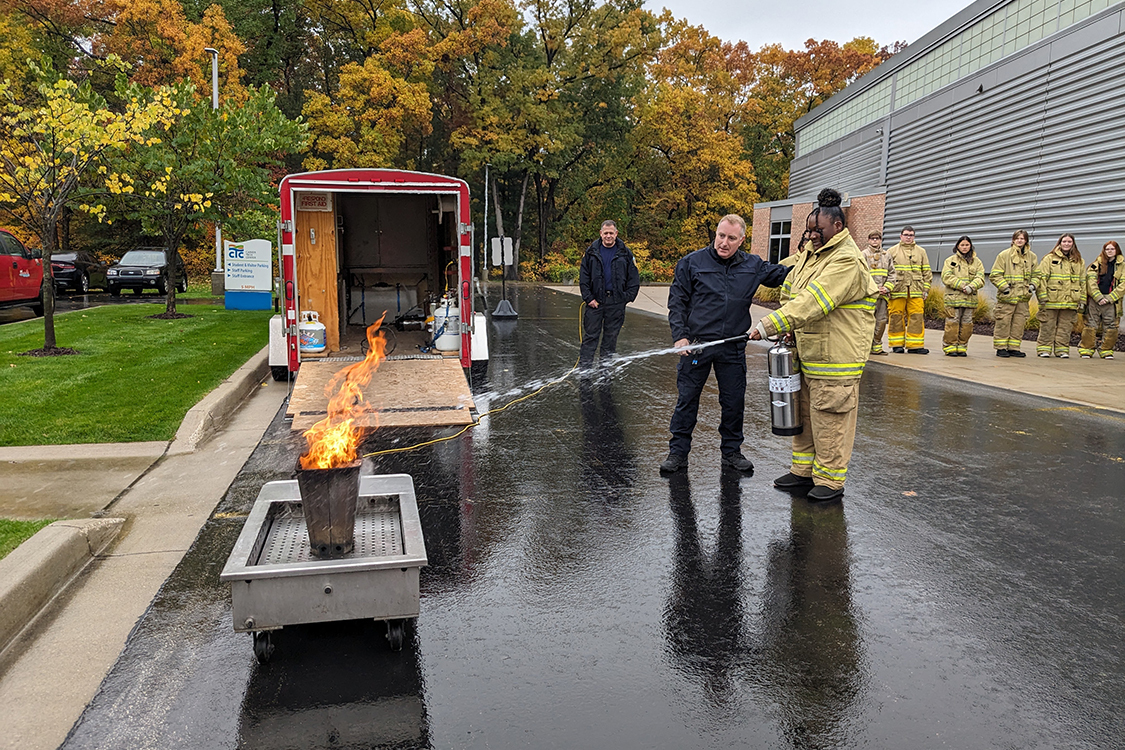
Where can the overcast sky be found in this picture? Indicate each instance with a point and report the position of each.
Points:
(760, 22)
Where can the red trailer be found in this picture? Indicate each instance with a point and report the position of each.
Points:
(356, 242)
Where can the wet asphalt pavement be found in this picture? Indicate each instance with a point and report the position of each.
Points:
(968, 593)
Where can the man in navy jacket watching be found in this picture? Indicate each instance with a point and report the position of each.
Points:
(608, 280)
(710, 300)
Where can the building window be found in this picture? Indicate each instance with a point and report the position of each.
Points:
(779, 240)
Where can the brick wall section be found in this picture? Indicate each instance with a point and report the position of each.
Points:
(865, 215)
(760, 239)
(801, 212)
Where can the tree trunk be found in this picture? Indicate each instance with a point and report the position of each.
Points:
(172, 240)
(50, 233)
(519, 223)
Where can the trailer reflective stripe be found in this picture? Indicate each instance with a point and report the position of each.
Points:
(466, 251)
(288, 249)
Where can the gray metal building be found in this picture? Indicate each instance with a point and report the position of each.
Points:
(1007, 116)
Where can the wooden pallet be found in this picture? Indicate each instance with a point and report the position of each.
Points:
(404, 393)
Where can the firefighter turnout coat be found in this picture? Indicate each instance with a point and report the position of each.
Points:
(882, 267)
(1060, 283)
(959, 272)
(1012, 275)
(828, 300)
(913, 275)
(1117, 287)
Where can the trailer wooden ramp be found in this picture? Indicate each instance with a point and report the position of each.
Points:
(404, 393)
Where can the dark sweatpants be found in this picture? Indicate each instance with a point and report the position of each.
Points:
(729, 361)
(602, 322)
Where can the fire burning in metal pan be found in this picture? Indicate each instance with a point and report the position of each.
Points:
(334, 441)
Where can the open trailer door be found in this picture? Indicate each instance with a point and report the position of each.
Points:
(358, 244)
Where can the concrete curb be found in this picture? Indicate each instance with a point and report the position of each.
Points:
(203, 419)
(33, 573)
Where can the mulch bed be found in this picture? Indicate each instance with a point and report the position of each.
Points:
(169, 316)
(53, 351)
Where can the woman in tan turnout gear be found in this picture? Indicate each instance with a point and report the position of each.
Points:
(828, 302)
(906, 309)
(1105, 283)
(1012, 274)
(1060, 285)
(963, 276)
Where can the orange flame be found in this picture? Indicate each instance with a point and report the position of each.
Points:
(334, 441)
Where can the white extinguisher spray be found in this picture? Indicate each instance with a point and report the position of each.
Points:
(785, 389)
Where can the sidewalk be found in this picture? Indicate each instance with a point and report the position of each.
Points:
(155, 500)
(1071, 380)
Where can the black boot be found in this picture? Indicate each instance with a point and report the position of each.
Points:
(673, 463)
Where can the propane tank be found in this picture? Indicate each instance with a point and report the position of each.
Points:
(785, 389)
(312, 333)
(447, 326)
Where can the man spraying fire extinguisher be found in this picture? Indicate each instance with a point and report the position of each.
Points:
(829, 305)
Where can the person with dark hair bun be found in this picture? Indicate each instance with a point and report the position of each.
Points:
(828, 305)
(1105, 283)
(963, 276)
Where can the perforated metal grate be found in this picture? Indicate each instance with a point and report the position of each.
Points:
(378, 533)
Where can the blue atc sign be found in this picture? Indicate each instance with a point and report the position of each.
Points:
(249, 275)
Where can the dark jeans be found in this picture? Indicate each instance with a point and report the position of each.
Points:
(602, 322)
(729, 361)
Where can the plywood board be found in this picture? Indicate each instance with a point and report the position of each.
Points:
(315, 240)
(404, 392)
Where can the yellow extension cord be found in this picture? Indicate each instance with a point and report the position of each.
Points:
(475, 422)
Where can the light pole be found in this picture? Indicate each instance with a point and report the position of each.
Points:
(217, 281)
(486, 249)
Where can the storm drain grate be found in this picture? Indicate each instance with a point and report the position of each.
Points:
(378, 533)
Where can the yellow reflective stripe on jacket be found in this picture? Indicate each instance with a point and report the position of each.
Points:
(779, 322)
(867, 303)
(832, 369)
(821, 296)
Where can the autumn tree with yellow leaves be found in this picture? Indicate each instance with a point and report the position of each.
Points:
(50, 140)
(207, 165)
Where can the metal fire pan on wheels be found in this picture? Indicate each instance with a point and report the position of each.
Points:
(276, 580)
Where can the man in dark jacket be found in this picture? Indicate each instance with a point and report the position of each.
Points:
(608, 280)
(710, 300)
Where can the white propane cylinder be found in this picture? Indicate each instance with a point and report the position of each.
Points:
(447, 327)
(313, 335)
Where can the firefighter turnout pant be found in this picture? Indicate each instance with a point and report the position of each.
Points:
(1010, 322)
(828, 414)
(880, 324)
(1100, 319)
(958, 329)
(600, 323)
(729, 362)
(905, 322)
(1055, 327)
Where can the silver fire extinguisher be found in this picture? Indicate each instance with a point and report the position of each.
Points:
(785, 389)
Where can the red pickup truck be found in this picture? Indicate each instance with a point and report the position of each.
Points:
(21, 274)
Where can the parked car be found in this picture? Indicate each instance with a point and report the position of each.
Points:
(144, 268)
(21, 274)
(78, 271)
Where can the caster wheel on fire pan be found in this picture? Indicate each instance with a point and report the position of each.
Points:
(263, 646)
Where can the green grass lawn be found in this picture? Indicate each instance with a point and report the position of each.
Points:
(13, 533)
(134, 379)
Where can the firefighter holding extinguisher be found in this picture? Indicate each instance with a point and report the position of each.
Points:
(829, 306)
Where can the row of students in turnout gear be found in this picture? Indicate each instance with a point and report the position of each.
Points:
(1062, 283)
